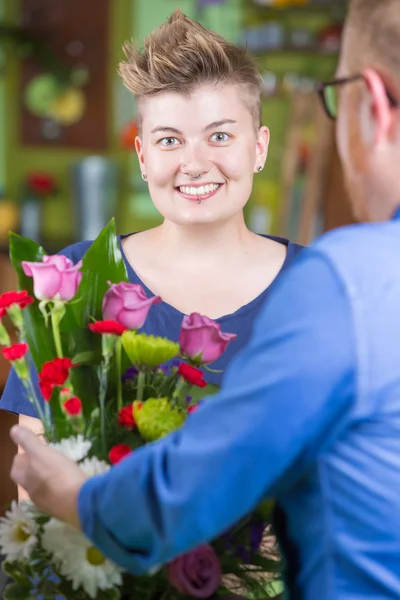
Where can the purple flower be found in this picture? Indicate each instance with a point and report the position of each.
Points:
(130, 374)
(127, 304)
(202, 340)
(197, 573)
(245, 549)
(56, 277)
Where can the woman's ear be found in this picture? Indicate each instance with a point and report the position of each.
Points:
(263, 137)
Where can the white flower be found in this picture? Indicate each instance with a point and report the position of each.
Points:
(18, 532)
(78, 560)
(93, 466)
(74, 448)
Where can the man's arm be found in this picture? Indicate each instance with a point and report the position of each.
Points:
(283, 398)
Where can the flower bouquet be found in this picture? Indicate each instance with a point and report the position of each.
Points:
(108, 388)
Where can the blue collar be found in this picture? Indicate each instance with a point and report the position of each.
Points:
(396, 214)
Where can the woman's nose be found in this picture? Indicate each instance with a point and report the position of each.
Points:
(195, 161)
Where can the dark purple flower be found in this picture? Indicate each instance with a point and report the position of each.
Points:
(245, 549)
(130, 374)
(197, 573)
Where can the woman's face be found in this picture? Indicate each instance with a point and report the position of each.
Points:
(209, 133)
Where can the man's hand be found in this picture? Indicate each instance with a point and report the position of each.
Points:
(51, 480)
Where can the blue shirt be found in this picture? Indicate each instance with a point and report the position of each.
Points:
(163, 320)
(309, 413)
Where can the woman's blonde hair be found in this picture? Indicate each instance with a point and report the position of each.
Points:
(181, 55)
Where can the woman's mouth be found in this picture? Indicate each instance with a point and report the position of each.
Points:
(201, 192)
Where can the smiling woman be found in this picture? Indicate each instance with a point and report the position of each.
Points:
(200, 143)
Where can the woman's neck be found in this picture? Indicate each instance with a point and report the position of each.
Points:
(201, 241)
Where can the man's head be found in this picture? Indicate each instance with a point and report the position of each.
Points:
(200, 139)
(368, 122)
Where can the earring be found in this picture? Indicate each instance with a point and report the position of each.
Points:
(259, 168)
(144, 176)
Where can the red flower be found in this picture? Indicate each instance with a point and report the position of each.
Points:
(9, 298)
(56, 371)
(47, 389)
(192, 408)
(125, 417)
(15, 352)
(118, 453)
(73, 406)
(2, 312)
(41, 184)
(107, 327)
(192, 375)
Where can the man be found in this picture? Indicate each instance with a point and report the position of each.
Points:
(310, 412)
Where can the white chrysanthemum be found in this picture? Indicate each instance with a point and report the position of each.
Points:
(18, 531)
(93, 466)
(78, 561)
(75, 448)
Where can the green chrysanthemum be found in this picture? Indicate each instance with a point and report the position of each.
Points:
(147, 350)
(157, 417)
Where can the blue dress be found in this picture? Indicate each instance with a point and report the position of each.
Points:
(163, 320)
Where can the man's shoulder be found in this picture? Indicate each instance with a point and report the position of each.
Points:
(361, 253)
(76, 252)
(364, 238)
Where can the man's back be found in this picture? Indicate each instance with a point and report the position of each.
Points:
(344, 514)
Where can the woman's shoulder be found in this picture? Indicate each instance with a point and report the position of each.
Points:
(292, 248)
(76, 252)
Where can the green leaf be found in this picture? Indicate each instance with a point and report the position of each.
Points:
(87, 357)
(13, 570)
(264, 509)
(198, 393)
(39, 338)
(15, 591)
(102, 262)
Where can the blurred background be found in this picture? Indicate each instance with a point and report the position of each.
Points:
(67, 161)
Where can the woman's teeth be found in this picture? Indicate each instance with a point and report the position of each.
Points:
(198, 191)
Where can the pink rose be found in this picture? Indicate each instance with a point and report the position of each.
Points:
(127, 304)
(55, 278)
(197, 573)
(201, 338)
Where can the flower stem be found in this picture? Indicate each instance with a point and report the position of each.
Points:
(31, 392)
(180, 388)
(102, 398)
(55, 322)
(141, 382)
(118, 354)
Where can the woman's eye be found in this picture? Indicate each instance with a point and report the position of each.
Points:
(220, 137)
(169, 141)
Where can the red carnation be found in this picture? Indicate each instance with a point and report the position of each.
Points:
(107, 327)
(192, 375)
(9, 298)
(118, 453)
(47, 389)
(73, 406)
(125, 417)
(56, 372)
(15, 352)
(192, 408)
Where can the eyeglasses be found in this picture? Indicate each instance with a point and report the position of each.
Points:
(329, 94)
